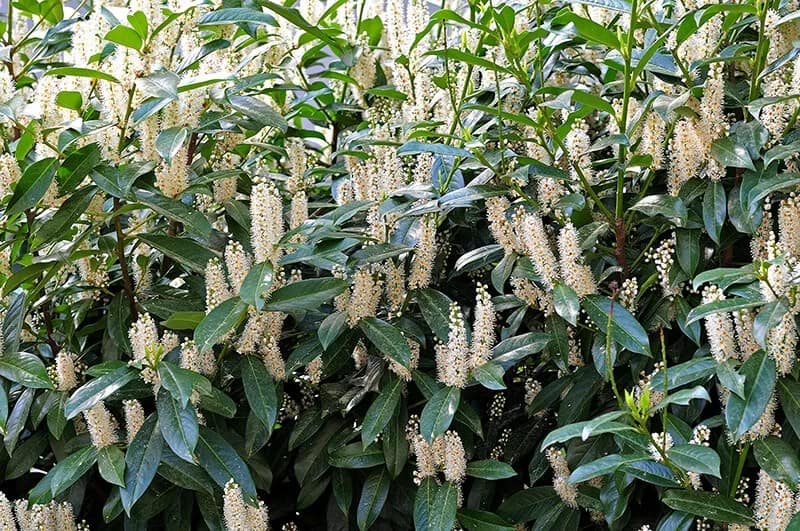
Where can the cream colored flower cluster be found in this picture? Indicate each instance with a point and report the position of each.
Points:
(525, 234)
(53, 516)
(148, 349)
(567, 491)
(457, 357)
(240, 515)
(444, 454)
(775, 503)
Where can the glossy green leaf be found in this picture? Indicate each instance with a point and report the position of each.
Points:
(220, 460)
(741, 413)
(184, 251)
(729, 153)
(438, 412)
(490, 469)
(475, 520)
(305, 295)
(354, 456)
(789, 394)
(779, 459)
(219, 322)
(71, 469)
(387, 338)
(256, 284)
(490, 375)
(625, 329)
(178, 425)
(141, 462)
(566, 303)
(435, 308)
(259, 387)
(706, 504)
(695, 458)
(26, 369)
(770, 315)
(111, 465)
(380, 413)
(32, 185)
(714, 210)
(373, 497)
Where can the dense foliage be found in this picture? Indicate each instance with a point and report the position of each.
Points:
(389, 265)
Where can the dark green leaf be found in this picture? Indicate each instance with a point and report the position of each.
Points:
(219, 322)
(387, 338)
(71, 469)
(669, 206)
(490, 469)
(192, 219)
(32, 186)
(25, 369)
(381, 411)
(695, 458)
(305, 294)
(445, 504)
(490, 375)
(355, 457)
(741, 413)
(183, 250)
(237, 15)
(111, 464)
(712, 506)
(435, 308)
(222, 463)
(475, 520)
(331, 327)
(373, 497)
(259, 387)
(789, 393)
(438, 413)
(778, 459)
(625, 329)
(714, 210)
(768, 318)
(256, 284)
(178, 425)
(566, 303)
(141, 462)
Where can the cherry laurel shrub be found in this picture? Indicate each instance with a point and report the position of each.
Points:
(367, 264)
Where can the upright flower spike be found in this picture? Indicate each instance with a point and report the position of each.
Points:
(424, 255)
(454, 458)
(565, 490)
(134, 418)
(365, 296)
(483, 333)
(6, 514)
(496, 208)
(578, 144)
(574, 272)
(143, 335)
(273, 359)
(266, 221)
(240, 516)
(538, 249)
(720, 328)
(102, 426)
(66, 379)
(201, 362)
(774, 504)
(238, 262)
(452, 358)
(217, 289)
